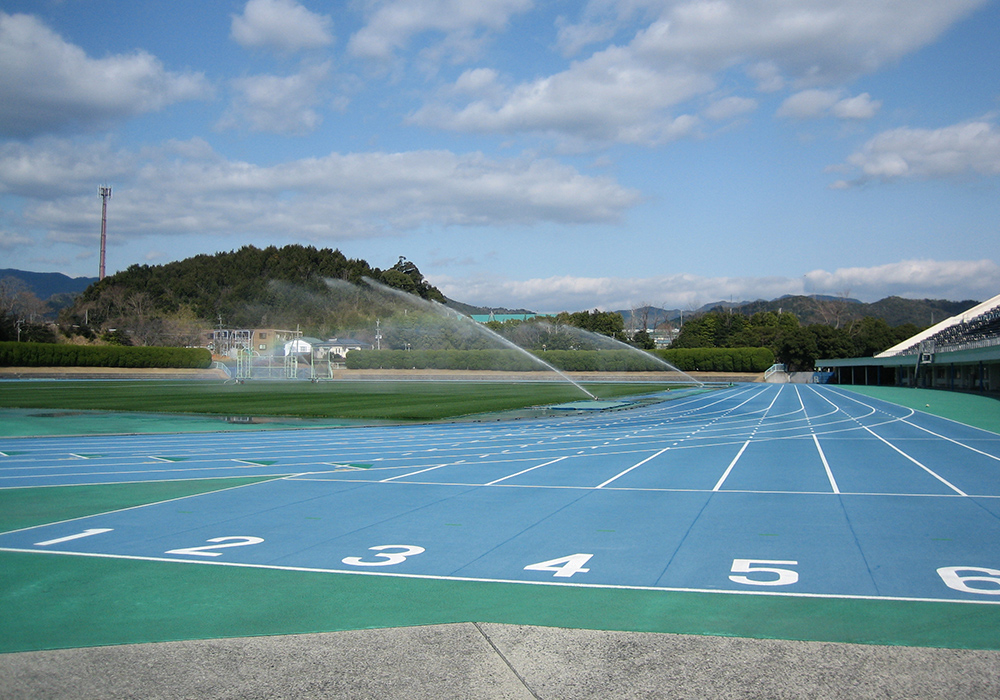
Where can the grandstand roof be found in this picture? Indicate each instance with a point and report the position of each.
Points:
(978, 327)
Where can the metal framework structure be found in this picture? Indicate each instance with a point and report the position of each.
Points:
(105, 192)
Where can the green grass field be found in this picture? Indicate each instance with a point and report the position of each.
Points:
(362, 400)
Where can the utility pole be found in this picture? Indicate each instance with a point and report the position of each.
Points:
(105, 192)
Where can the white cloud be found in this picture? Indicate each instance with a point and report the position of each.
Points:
(970, 148)
(949, 279)
(633, 93)
(284, 25)
(608, 97)
(48, 84)
(977, 279)
(813, 104)
(808, 104)
(394, 23)
(52, 168)
(187, 189)
(729, 107)
(277, 104)
(859, 107)
(12, 241)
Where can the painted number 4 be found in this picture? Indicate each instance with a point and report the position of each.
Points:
(764, 569)
(564, 567)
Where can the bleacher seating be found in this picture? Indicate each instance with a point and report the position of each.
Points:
(977, 327)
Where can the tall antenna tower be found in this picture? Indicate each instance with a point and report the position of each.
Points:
(105, 192)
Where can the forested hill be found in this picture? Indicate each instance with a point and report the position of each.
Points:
(319, 290)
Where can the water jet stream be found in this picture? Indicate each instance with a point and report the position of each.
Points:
(441, 309)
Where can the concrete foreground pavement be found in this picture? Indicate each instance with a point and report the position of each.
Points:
(486, 660)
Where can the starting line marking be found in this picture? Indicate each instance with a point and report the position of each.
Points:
(571, 584)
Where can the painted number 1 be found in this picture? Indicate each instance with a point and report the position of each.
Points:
(764, 569)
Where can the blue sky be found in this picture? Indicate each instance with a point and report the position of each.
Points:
(548, 155)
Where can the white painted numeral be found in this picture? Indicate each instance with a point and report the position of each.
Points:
(222, 543)
(564, 567)
(951, 578)
(77, 536)
(786, 577)
(389, 558)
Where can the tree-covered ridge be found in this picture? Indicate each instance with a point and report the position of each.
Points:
(318, 290)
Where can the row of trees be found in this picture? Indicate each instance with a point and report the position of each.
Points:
(22, 314)
(792, 343)
(55, 355)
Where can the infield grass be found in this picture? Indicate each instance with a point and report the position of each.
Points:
(362, 400)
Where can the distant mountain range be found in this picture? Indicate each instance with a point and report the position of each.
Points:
(817, 308)
(58, 288)
(48, 284)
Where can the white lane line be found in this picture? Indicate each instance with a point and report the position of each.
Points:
(902, 419)
(600, 486)
(945, 437)
(525, 471)
(940, 478)
(419, 471)
(826, 465)
(760, 422)
(732, 464)
(819, 448)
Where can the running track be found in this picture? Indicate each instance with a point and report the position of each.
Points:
(762, 489)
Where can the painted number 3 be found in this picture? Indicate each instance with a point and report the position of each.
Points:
(386, 558)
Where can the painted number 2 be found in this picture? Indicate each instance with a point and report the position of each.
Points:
(387, 558)
(208, 550)
(766, 569)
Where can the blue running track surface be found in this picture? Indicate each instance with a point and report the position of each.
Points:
(761, 489)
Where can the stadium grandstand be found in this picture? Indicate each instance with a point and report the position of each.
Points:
(961, 353)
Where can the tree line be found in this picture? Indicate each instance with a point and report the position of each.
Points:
(793, 344)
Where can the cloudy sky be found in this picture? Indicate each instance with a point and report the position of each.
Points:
(557, 155)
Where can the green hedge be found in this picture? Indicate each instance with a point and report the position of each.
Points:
(703, 359)
(719, 359)
(53, 355)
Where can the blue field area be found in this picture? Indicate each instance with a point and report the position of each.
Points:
(759, 489)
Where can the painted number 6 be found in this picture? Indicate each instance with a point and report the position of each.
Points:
(755, 566)
(949, 574)
(388, 558)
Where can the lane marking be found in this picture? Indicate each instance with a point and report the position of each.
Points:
(732, 464)
(940, 478)
(945, 437)
(525, 471)
(634, 466)
(419, 471)
(826, 465)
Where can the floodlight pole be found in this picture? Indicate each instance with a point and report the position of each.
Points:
(105, 193)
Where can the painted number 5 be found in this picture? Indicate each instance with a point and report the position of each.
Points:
(387, 558)
(761, 566)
